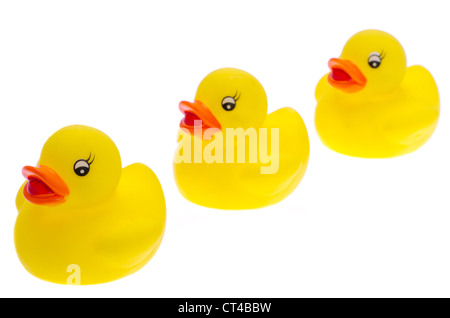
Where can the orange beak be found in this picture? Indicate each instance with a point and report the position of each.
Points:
(345, 76)
(44, 186)
(196, 114)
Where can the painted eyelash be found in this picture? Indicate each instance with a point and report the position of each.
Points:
(382, 54)
(234, 97)
(87, 160)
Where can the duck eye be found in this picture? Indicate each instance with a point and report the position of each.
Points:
(228, 103)
(81, 167)
(374, 60)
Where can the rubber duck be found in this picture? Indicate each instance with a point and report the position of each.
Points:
(231, 154)
(82, 218)
(371, 104)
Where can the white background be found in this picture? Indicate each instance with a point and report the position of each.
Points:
(353, 227)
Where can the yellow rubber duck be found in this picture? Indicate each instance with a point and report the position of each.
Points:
(371, 105)
(231, 154)
(82, 218)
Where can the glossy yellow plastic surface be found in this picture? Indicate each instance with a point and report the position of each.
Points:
(109, 222)
(371, 105)
(239, 185)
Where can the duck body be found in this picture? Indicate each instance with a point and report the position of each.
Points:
(377, 122)
(106, 240)
(242, 185)
(227, 182)
(380, 127)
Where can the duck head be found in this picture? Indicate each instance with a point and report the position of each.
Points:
(226, 98)
(372, 62)
(79, 165)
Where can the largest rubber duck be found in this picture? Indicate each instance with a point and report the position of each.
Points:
(222, 162)
(371, 104)
(82, 218)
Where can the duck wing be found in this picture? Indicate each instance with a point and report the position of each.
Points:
(416, 120)
(293, 153)
(139, 220)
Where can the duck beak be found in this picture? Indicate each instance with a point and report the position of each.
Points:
(44, 186)
(345, 76)
(196, 114)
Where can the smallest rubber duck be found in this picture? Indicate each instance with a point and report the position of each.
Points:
(83, 219)
(371, 105)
